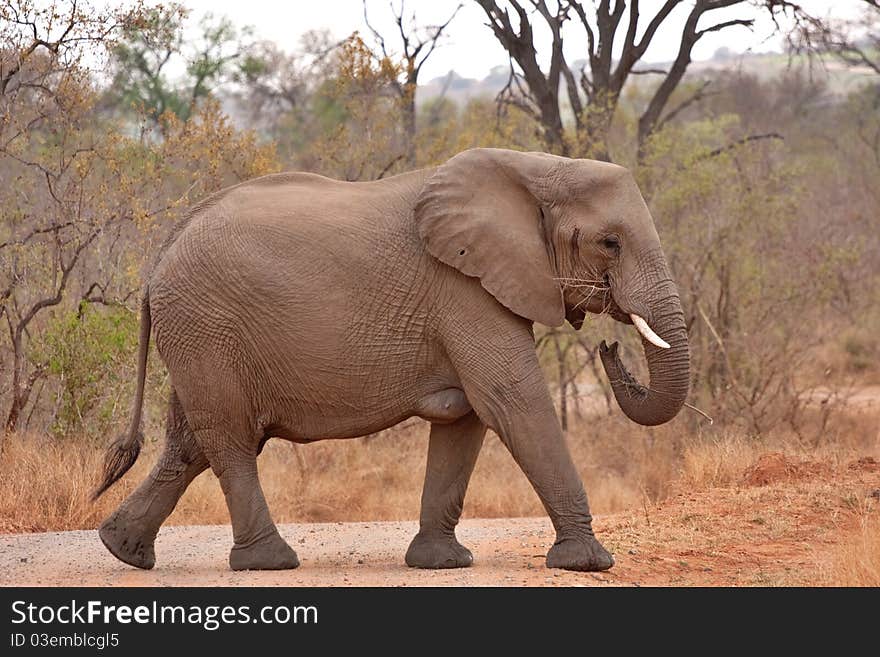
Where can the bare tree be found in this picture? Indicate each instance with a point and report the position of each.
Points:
(272, 83)
(417, 44)
(41, 91)
(594, 94)
(81, 190)
(856, 42)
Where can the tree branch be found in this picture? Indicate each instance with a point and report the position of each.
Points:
(388, 166)
(740, 142)
(745, 22)
(438, 32)
(55, 299)
(36, 231)
(698, 95)
(649, 71)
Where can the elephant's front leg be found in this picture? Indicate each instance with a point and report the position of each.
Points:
(452, 453)
(536, 442)
(513, 399)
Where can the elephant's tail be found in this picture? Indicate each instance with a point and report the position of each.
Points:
(123, 451)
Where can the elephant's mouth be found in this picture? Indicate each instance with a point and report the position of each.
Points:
(577, 314)
(597, 305)
(575, 317)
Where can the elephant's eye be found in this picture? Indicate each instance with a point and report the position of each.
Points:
(611, 242)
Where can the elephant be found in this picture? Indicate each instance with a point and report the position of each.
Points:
(299, 307)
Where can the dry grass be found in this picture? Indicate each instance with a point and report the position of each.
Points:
(45, 483)
(856, 558)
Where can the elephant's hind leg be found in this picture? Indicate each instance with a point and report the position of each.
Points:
(452, 454)
(257, 543)
(130, 532)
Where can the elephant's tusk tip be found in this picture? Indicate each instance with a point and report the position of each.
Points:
(647, 333)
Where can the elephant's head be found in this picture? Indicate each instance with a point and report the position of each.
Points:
(552, 238)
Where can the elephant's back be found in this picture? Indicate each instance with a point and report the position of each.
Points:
(286, 226)
(295, 255)
(298, 200)
(295, 208)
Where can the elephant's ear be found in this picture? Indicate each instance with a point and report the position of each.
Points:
(481, 213)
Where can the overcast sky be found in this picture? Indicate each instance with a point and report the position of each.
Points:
(471, 49)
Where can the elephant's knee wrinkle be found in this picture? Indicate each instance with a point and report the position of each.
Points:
(446, 405)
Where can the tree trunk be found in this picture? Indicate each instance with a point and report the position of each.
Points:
(21, 391)
(409, 123)
(594, 127)
(551, 121)
(14, 415)
(563, 382)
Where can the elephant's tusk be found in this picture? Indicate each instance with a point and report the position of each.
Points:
(647, 333)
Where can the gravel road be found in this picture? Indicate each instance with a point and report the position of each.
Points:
(507, 552)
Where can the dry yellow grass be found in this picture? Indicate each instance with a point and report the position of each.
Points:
(45, 483)
(856, 561)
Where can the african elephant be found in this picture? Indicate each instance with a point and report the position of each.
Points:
(305, 308)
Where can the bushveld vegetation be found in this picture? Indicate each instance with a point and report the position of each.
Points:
(765, 190)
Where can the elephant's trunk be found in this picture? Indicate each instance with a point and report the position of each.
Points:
(669, 369)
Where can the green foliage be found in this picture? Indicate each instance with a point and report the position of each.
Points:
(142, 55)
(755, 271)
(90, 353)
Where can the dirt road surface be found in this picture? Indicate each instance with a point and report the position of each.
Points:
(780, 526)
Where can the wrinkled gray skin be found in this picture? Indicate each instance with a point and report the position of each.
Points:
(304, 308)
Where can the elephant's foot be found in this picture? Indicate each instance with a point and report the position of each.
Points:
(269, 552)
(582, 553)
(437, 551)
(128, 541)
